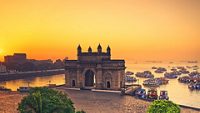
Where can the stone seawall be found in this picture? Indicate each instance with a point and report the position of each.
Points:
(22, 75)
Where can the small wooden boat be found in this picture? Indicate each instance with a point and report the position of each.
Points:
(24, 89)
(145, 74)
(2, 88)
(194, 86)
(152, 95)
(163, 95)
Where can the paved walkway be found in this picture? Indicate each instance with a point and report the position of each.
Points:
(108, 102)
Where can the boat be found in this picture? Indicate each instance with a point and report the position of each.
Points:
(163, 80)
(52, 85)
(152, 95)
(184, 79)
(194, 86)
(180, 67)
(131, 89)
(151, 82)
(155, 82)
(145, 74)
(24, 89)
(195, 67)
(170, 75)
(194, 74)
(129, 73)
(130, 79)
(160, 70)
(173, 69)
(163, 95)
(141, 93)
(2, 88)
(154, 67)
(184, 71)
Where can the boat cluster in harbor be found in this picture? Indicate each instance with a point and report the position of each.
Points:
(193, 80)
(151, 94)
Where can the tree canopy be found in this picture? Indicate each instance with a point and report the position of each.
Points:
(163, 106)
(45, 100)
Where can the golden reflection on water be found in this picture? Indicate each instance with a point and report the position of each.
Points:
(35, 82)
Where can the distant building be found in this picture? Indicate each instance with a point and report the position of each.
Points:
(17, 57)
(2, 68)
(95, 70)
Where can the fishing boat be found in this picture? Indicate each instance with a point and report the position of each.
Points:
(160, 70)
(184, 71)
(151, 83)
(152, 95)
(2, 88)
(145, 74)
(184, 79)
(154, 67)
(140, 93)
(170, 75)
(194, 74)
(155, 82)
(163, 95)
(129, 73)
(24, 89)
(194, 86)
(130, 79)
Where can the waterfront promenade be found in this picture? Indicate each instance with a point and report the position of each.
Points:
(91, 102)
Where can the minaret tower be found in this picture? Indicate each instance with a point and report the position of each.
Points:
(99, 49)
(108, 50)
(79, 50)
(89, 50)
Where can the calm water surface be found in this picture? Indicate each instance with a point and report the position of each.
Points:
(178, 92)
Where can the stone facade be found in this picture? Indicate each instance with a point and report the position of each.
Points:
(95, 70)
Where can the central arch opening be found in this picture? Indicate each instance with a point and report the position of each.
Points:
(89, 78)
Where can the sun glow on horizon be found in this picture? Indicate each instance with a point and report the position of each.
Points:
(135, 30)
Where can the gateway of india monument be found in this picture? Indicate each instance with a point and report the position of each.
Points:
(95, 70)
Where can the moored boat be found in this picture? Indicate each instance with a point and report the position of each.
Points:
(170, 75)
(129, 73)
(24, 89)
(141, 93)
(145, 74)
(163, 95)
(194, 86)
(152, 95)
(160, 70)
(130, 79)
(2, 88)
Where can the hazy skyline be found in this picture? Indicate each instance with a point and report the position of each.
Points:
(134, 29)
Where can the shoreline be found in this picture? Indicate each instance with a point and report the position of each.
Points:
(22, 75)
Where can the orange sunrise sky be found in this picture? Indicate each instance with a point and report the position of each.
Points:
(134, 29)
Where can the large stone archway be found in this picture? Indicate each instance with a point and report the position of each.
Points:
(95, 70)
